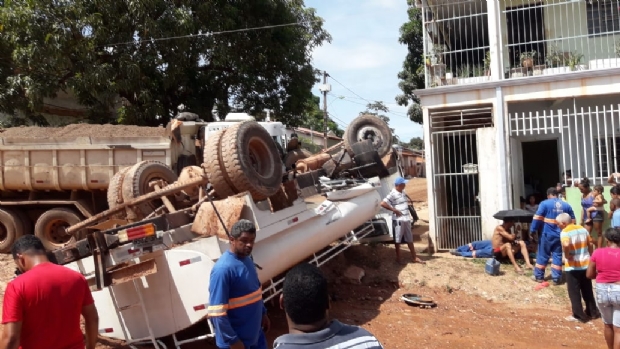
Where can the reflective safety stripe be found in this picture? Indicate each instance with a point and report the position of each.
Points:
(550, 221)
(556, 267)
(190, 261)
(106, 330)
(538, 218)
(539, 266)
(246, 300)
(215, 310)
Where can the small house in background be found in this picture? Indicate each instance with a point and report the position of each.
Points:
(412, 162)
(313, 140)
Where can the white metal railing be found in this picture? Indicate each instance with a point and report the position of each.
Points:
(456, 42)
(559, 36)
(589, 137)
(535, 38)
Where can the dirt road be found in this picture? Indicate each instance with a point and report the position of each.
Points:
(474, 310)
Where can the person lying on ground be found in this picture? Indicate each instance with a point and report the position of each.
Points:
(505, 244)
(305, 300)
(597, 204)
(476, 249)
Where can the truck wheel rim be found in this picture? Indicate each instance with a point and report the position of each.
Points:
(260, 158)
(372, 133)
(55, 232)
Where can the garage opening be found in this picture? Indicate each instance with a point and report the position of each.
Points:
(541, 168)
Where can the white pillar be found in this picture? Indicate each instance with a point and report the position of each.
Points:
(500, 115)
(430, 176)
(495, 39)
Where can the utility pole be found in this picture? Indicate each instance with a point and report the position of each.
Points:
(325, 89)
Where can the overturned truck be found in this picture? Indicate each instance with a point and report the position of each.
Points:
(148, 259)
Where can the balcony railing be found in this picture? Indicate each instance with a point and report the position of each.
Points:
(537, 38)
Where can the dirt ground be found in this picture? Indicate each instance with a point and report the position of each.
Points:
(474, 310)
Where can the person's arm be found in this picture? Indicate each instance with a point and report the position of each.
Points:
(539, 218)
(386, 204)
(591, 272)
(12, 313)
(91, 325)
(11, 333)
(566, 245)
(508, 236)
(612, 178)
(217, 311)
(571, 213)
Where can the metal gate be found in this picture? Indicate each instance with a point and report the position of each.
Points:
(456, 183)
(456, 186)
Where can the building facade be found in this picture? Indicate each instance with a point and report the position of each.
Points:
(518, 92)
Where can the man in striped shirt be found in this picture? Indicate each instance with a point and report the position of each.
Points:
(305, 300)
(577, 247)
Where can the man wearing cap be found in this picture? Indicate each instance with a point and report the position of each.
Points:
(398, 202)
(236, 307)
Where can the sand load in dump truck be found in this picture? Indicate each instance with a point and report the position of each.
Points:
(52, 178)
(150, 278)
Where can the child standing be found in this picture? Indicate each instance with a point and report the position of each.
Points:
(597, 205)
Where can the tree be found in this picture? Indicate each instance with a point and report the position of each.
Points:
(376, 109)
(312, 118)
(416, 143)
(412, 75)
(114, 52)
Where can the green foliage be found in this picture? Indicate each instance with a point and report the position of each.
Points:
(412, 75)
(47, 46)
(312, 118)
(415, 143)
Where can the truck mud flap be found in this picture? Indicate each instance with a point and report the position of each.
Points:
(369, 165)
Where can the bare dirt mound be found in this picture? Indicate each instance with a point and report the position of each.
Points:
(83, 130)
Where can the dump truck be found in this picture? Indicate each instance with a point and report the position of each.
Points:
(150, 277)
(52, 178)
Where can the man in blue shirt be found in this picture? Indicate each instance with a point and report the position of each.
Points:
(236, 307)
(549, 243)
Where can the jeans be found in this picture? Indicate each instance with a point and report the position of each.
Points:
(483, 249)
(579, 286)
(608, 300)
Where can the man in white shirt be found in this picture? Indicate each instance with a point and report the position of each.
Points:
(398, 202)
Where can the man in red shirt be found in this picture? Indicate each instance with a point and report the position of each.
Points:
(42, 306)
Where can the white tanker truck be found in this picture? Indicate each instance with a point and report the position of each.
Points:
(150, 278)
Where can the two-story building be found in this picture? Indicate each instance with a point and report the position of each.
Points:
(517, 93)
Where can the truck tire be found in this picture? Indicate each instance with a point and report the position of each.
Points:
(115, 191)
(11, 228)
(51, 224)
(369, 127)
(252, 160)
(136, 183)
(214, 167)
(295, 155)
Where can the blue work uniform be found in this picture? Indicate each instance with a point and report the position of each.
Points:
(236, 305)
(549, 244)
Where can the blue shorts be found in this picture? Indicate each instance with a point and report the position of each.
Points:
(608, 301)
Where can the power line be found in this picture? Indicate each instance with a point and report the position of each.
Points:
(399, 114)
(191, 36)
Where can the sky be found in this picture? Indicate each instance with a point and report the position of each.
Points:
(363, 59)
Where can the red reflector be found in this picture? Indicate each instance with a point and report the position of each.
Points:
(295, 220)
(106, 330)
(185, 262)
(39, 181)
(199, 307)
(133, 250)
(94, 181)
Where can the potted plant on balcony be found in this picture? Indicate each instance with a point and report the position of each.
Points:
(438, 68)
(556, 62)
(574, 61)
(487, 63)
(527, 58)
(464, 74)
